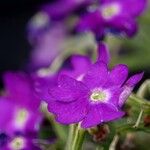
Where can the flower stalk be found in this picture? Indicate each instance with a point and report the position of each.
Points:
(139, 118)
(142, 92)
(139, 100)
(72, 130)
(114, 142)
(78, 139)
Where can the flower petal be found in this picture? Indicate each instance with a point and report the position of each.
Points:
(103, 52)
(80, 63)
(108, 1)
(132, 81)
(128, 87)
(93, 118)
(92, 22)
(68, 89)
(20, 89)
(97, 75)
(42, 84)
(5, 108)
(125, 25)
(110, 113)
(124, 95)
(134, 7)
(67, 113)
(115, 95)
(100, 113)
(118, 75)
(60, 9)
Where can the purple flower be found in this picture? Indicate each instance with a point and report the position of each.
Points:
(116, 15)
(50, 15)
(16, 118)
(19, 107)
(79, 66)
(36, 26)
(97, 98)
(47, 45)
(63, 8)
(19, 89)
(20, 142)
(43, 83)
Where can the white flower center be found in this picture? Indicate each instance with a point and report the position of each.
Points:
(21, 118)
(111, 10)
(40, 20)
(17, 143)
(100, 95)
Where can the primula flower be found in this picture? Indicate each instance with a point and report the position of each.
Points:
(20, 106)
(79, 66)
(95, 99)
(114, 15)
(19, 143)
(18, 118)
(50, 14)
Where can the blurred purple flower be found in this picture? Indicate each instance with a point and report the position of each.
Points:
(20, 143)
(19, 89)
(97, 98)
(16, 118)
(48, 45)
(115, 15)
(19, 107)
(37, 26)
(62, 8)
(50, 14)
(80, 64)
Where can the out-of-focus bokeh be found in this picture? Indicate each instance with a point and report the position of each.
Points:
(14, 47)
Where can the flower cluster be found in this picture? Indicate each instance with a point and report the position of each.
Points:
(76, 90)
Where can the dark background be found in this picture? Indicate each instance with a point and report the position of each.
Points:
(14, 47)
